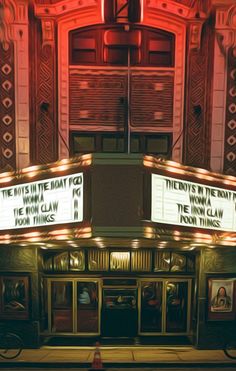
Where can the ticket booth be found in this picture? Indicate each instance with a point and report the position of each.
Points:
(120, 312)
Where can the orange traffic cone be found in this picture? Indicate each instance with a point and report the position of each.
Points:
(97, 359)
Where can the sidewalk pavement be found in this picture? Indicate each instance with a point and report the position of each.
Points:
(138, 356)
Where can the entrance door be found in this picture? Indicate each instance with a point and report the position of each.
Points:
(61, 318)
(119, 312)
(177, 306)
(73, 306)
(151, 311)
(165, 306)
(87, 319)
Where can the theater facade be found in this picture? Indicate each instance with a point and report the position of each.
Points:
(117, 171)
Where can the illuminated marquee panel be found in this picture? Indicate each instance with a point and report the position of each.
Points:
(42, 203)
(188, 204)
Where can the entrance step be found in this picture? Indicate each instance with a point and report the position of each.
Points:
(110, 341)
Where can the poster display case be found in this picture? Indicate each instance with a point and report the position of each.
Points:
(14, 297)
(221, 298)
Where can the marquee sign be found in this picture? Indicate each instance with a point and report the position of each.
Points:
(189, 204)
(42, 203)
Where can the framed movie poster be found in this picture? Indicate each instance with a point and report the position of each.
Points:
(14, 297)
(221, 299)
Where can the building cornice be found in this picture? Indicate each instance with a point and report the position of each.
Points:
(62, 8)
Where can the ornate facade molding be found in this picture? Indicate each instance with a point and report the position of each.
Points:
(50, 13)
(193, 9)
(230, 123)
(226, 28)
(67, 15)
(65, 25)
(7, 111)
(62, 8)
(45, 108)
(195, 34)
(21, 64)
(224, 106)
(7, 17)
(48, 32)
(198, 90)
(195, 15)
(14, 52)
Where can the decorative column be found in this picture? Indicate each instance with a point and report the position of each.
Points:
(14, 92)
(44, 90)
(7, 108)
(7, 88)
(223, 149)
(21, 42)
(198, 90)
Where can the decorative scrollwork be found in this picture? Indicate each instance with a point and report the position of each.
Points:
(195, 34)
(226, 34)
(7, 17)
(231, 19)
(48, 32)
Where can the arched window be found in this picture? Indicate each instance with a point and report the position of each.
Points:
(110, 46)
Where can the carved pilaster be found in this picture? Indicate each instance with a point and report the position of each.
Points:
(226, 38)
(230, 116)
(197, 132)
(197, 17)
(195, 34)
(7, 87)
(7, 17)
(48, 32)
(44, 109)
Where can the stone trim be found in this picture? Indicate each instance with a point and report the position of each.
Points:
(225, 40)
(20, 37)
(154, 18)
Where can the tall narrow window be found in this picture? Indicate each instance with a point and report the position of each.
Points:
(83, 47)
(160, 49)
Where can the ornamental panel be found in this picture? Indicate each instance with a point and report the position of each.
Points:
(7, 109)
(152, 98)
(197, 133)
(230, 127)
(105, 100)
(44, 132)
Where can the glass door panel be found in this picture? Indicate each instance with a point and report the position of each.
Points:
(87, 307)
(61, 301)
(176, 306)
(44, 308)
(151, 306)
